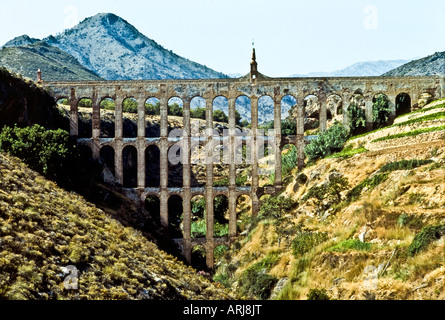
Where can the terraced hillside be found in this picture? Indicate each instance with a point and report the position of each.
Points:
(44, 229)
(367, 223)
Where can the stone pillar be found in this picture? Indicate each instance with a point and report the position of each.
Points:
(232, 169)
(187, 173)
(118, 162)
(163, 148)
(96, 115)
(74, 114)
(323, 112)
(277, 147)
(118, 126)
(300, 134)
(346, 100)
(141, 142)
(254, 147)
(210, 242)
(392, 106)
(95, 143)
(368, 112)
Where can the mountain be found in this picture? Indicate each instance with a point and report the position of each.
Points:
(20, 41)
(115, 50)
(25, 56)
(429, 66)
(360, 69)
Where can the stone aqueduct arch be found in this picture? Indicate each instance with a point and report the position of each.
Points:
(253, 87)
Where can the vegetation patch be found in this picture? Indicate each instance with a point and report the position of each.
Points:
(351, 244)
(305, 242)
(328, 142)
(318, 294)
(426, 236)
(410, 133)
(404, 165)
(369, 183)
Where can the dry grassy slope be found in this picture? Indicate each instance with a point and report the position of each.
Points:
(44, 228)
(418, 193)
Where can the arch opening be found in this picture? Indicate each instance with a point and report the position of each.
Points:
(403, 104)
(243, 138)
(107, 161)
(312, 114)
(198, 223)
(107, 118)
(175, 167)
(221, 216)
(130, 118)
(85, 112)
(153, 207)
(266, 108)
(288, 115)
(152, 167)
(175, 113)
(152, 118)
(130, 167)
(175, 217)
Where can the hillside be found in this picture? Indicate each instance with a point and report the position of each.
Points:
(381, 236)
(23, 103)
(25, 57)
(360, 69)
(44, 229)
(116, 50)
(428, 66)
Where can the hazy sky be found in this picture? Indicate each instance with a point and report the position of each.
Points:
(291, 36)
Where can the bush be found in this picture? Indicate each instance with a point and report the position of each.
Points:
(422, 240)
(198, 113)
(381, 112)
(153, 110)
(305, 242)
(318, 294)
(328, 191)
(357, 119)
(257, 284)
(130, 106)
(351, 244)
(220, 116)
(45, 151)
(328, 142)
(369, 183)
(404, 165)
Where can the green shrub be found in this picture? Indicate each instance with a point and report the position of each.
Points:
(369, 183)
(318, 294)
(404, 165)
(305, 242)
(153, 110)
(330, 191)
(130, 106)
(257, 284)
(411, 133)
(220, 116)
(289, 160)
(381, 111)
(351, 244)
(357, 119)
(45, 151)
(328, 142)
(426, 236)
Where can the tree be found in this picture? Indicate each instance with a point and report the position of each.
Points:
(130, 106)
(357, 118)
(198, 113)
(328, 142)
(381, 111)
(220, 116)
(153, 110)
(175, 110)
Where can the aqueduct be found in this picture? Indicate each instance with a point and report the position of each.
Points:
(253, 86)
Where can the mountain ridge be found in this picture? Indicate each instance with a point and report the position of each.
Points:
(428, 66)
(121, 52)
